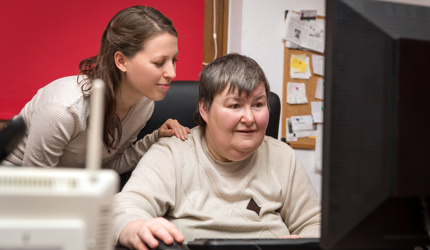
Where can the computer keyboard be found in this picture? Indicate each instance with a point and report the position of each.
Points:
(260, 244)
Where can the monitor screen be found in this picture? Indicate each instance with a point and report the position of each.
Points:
(376, 173)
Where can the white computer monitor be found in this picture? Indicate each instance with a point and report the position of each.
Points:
(56, 209)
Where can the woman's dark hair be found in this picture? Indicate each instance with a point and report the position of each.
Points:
(233, 70)
(127, 33)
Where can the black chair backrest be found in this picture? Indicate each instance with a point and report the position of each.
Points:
(11, 135)
(182, 100)
(275, 114)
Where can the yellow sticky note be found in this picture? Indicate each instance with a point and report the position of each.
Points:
(298, 64)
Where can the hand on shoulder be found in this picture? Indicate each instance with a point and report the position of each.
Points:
(172, 127)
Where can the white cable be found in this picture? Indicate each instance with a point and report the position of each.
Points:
(214, 32)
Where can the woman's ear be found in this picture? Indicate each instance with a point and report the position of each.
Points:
(203, 111)
(120, 61)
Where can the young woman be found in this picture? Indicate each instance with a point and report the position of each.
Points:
(137, 63)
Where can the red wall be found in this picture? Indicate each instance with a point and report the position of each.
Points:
(42, 40)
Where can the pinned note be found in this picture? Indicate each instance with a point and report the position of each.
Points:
(296, 93)
(308, 15)
(318, 64)
(299, 67)
(299, 127)
(317, 111)
(298, 64)
(304, 122)
(319, 148)
(319, 92)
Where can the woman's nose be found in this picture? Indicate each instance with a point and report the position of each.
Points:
(247, 116)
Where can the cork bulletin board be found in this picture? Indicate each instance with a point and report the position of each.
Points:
(289, 110)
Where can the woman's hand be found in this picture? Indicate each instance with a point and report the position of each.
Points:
(172, 127)
(144, 234)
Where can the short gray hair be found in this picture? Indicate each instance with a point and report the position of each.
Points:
(233, 70)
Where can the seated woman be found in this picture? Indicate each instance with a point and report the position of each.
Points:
(228, 180)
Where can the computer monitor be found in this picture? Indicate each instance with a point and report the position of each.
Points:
(376, 169)
(58, 208)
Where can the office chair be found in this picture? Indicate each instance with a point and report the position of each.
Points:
(182, 100)
(11, 135)
(180, 103)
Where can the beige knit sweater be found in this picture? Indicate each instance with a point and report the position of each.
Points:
(268, 195)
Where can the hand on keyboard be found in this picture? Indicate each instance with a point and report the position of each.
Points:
(144, 234)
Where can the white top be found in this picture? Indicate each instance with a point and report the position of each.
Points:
(57, 119)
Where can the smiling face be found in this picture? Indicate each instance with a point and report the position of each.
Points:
(235, 124)
(151, 70)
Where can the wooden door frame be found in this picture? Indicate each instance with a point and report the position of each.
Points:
(221, 27)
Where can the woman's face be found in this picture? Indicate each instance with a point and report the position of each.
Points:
(236, 124)
(151, 70)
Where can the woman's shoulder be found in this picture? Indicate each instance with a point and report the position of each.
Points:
(174, 143)
(277, 152)
(63, 93)
(74, 80)
(274, 144)
(64, 88)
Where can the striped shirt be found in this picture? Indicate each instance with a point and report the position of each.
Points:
(57, 125)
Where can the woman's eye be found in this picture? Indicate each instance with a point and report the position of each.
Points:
(161, 64)
(234, 106)
(258, 104)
